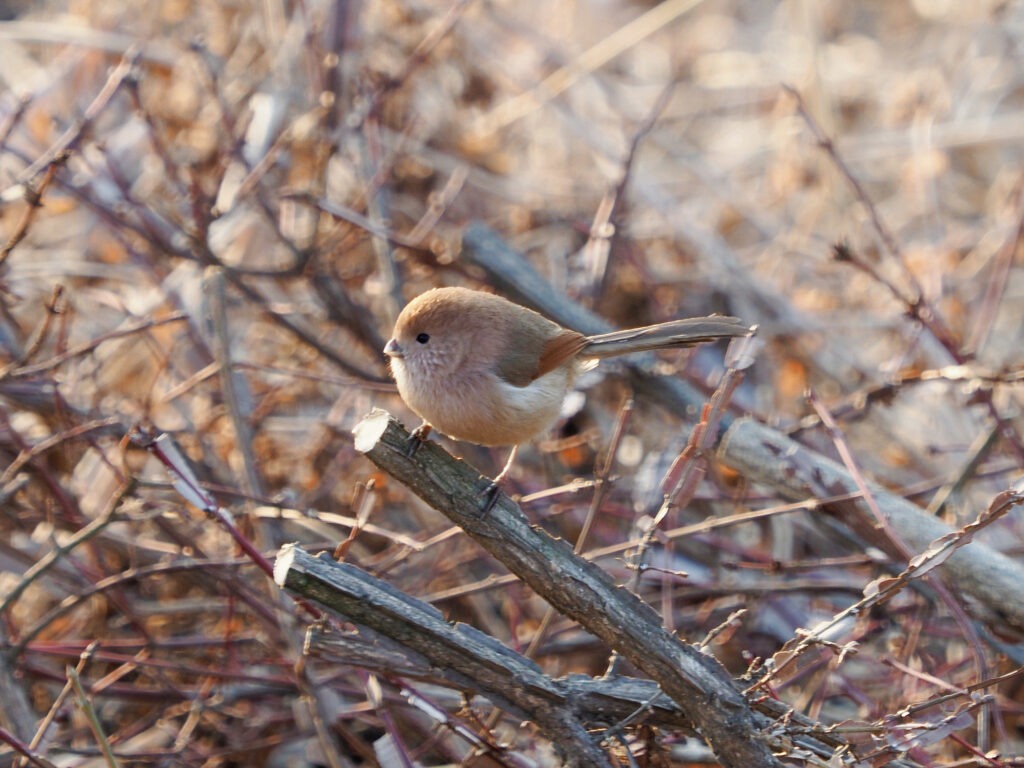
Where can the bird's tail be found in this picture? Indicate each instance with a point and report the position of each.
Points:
(675, 333)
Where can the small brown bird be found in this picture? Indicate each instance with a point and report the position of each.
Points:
(478, 367)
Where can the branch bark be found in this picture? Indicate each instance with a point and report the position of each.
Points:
(762, 455)
(470, 660)
(596, 701)
(698, 684)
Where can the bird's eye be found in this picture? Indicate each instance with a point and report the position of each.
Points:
(423, 338)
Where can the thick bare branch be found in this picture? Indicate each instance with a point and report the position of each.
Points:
(577, 588)
(765, 456)
(471, 660)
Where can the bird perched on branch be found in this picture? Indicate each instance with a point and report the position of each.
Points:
(480, 368)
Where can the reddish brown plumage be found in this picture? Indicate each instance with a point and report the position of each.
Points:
(480, 368)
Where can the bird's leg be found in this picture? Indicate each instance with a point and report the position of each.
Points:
(417, 438)
(491, 492)
(508, 466)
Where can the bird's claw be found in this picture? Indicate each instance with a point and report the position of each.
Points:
(416, 438)
(490, 496)
(493, 490)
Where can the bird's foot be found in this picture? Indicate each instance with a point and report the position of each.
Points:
(489, 496)
(416, 438)
(491, 493)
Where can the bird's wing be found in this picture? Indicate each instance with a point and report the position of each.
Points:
(533, 351)
(560, 349)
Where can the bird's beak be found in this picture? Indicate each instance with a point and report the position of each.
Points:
(391, 349)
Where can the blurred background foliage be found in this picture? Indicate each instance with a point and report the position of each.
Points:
(235, 200)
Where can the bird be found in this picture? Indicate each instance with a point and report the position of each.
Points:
(480, 368)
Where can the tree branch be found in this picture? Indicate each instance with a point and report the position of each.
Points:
(577, 588)
(763, 455)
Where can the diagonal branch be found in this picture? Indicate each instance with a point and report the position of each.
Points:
(697, 683)
(469, 659)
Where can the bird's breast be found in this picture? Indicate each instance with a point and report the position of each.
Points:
(483, 408)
